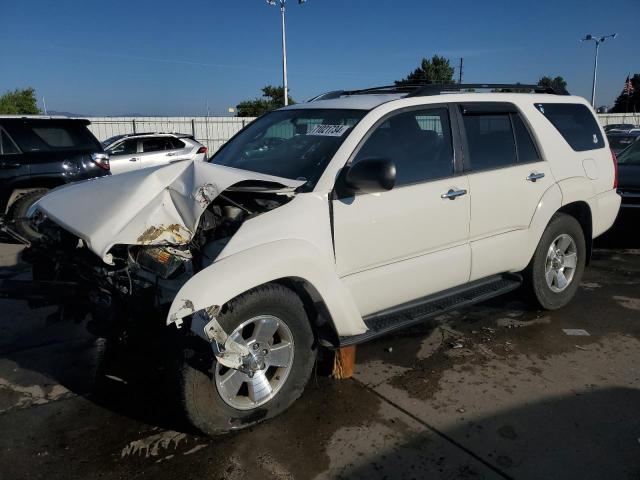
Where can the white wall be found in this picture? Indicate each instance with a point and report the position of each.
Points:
(210, 131)
(214, 131)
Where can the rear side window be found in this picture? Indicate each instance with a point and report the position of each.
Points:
(43, 136)
(156, 144)
(490, 139)
(175, 143)
(7, 147)
(575, 123)
(524, 143)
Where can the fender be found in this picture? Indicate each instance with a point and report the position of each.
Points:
(233, 275)
(576, 189)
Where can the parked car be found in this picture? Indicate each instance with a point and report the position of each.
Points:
(144, 150)
(39, 153)
(330, 223)
(629, 176)
(622, 127)
(618, 141)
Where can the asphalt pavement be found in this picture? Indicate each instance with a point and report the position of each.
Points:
(498, 390)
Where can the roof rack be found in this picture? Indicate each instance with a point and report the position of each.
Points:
(419, 90)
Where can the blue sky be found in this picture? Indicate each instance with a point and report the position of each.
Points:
(170, 58)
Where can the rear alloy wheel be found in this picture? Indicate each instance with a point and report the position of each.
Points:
(271, 321)
(554, 274)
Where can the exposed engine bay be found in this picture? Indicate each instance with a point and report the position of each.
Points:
(135, 280)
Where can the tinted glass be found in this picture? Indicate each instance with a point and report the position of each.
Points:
(575, 123)
(156, 144)
(7, 147)
(42, 136)
(526, 148)
(296, 143)
(417, 141)
(175, 143)
(620, 142)
(126, 147)
(631, 156)
(490, 140)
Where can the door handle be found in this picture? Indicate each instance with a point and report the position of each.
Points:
(534, 176)
(453, 194)
(134, 159)
(9, 165)
(172, 154)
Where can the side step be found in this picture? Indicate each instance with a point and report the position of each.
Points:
(417, 311)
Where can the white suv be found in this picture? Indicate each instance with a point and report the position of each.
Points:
(335, 221)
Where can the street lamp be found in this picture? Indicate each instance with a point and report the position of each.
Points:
(598, 40)
(284, 46)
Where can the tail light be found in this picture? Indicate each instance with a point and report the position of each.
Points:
(101, 160)
(203, 150)
(615, 169)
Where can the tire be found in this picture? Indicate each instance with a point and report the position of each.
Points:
(544, 274)
(200, 374)
(18, 213)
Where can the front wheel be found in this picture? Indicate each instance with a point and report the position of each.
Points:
(554, 274)
(271, 321)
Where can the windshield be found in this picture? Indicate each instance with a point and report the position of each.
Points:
(631, 155)
(296, 144)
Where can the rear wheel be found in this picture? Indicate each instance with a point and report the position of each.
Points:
(18, 213)
(554, 273)
(272, 323)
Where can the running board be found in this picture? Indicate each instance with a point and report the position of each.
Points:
(417, 311)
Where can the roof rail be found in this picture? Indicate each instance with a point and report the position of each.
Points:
(418, 90)
(437, 89)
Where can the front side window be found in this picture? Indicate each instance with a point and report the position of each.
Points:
(295, 143)
(418, 142)
(7, 146)
(631, 156)
(576, 124)
(126, 147)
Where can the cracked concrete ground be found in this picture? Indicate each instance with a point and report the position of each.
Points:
(516, 398)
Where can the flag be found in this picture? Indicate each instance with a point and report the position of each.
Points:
(628, 87)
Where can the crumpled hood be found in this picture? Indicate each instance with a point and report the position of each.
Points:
(153, 206)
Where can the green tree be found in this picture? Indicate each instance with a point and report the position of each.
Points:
(629, 102)
(19, 102)
(436, 70)
(272, 98)
(557, 83)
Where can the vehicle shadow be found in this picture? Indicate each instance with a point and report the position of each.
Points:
(588, 435)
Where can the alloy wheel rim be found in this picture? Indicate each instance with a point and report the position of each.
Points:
(271, 346)
(561, 263)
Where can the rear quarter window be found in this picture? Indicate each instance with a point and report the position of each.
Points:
(576, 124)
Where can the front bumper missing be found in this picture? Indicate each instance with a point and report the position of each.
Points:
(43, 291)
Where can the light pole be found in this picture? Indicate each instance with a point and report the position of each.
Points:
(284, 46)
(598, 40)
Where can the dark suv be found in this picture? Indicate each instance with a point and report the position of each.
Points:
(41, 153)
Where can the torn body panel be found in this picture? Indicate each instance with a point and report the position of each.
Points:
(156, 206)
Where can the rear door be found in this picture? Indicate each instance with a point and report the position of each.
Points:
(124, 156)
(158, 151)
(507, 178)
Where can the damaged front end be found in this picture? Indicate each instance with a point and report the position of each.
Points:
(120, 266)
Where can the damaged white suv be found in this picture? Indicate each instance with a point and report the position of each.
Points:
(331, 222)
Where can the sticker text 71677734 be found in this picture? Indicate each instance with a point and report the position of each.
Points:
(328, 130)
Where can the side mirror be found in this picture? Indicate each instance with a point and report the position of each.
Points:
(371, 175)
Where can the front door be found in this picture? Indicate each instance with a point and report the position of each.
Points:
(124, 156)
(411, 241)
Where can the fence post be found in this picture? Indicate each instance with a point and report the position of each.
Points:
(193, 127)
(133, 122)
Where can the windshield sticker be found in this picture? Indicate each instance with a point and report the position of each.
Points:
(329, 130)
